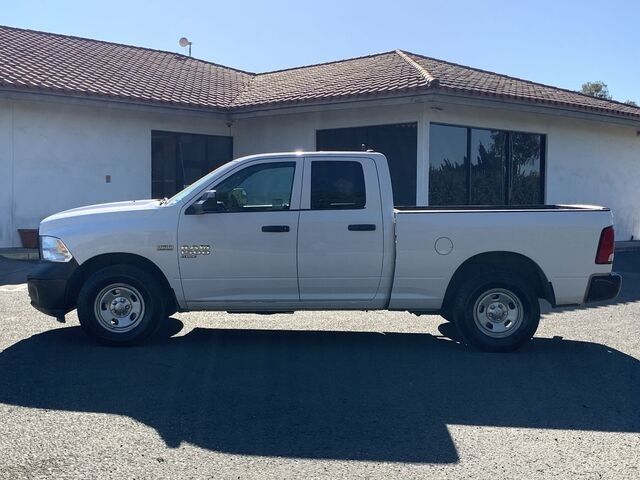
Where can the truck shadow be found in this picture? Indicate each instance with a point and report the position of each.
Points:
(330, 395)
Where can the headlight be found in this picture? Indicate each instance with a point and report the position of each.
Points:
(53, 249)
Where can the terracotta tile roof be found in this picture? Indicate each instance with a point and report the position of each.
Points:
(58, 63)
(383, 73)
(469, 80)
(31, 60)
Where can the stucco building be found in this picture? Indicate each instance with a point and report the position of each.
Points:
(84, 121)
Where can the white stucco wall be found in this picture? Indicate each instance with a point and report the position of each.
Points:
(587, 161)
(6, 173)
(603, 168)
(55, 156)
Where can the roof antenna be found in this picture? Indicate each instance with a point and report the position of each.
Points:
(184, 42)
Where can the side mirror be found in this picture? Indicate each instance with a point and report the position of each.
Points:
(209, 202)
(206, 204)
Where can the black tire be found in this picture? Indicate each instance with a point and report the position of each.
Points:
(128, 282)
(507, 312)
(170, 308)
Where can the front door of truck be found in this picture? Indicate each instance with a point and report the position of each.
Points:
(246, 251)
(340, 239)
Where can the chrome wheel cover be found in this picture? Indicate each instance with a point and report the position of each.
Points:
(119, 308)
(498, 313)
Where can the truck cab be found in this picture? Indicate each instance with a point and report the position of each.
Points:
(290, 232)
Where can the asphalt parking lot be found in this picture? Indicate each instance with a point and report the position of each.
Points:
(320, 395)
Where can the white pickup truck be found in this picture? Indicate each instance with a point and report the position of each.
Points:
(318, 231)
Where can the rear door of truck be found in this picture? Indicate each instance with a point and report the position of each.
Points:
(340, 232)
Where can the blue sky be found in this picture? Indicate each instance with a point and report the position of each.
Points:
(562, 43)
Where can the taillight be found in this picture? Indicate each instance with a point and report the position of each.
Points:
(604, 255)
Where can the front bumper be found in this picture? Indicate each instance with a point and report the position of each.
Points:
(48, 287)
(603, 287)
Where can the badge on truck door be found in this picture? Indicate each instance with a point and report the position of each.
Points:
(192, 251)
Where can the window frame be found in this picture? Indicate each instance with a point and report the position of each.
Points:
(508, 157)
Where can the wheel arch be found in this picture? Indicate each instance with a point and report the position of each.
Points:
(108, 259)
(502, 261)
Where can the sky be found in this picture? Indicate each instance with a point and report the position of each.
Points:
(562, 42)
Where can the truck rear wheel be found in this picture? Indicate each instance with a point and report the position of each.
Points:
(496, 312)
(121, 305)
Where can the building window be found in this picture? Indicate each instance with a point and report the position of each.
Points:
(398, 142)
(475, 166)
(179, 159)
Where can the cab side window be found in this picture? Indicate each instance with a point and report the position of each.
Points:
(262, 187)
(337, 185)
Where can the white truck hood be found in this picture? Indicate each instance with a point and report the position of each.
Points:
(92, 217)
(114, 207)
(136, 227)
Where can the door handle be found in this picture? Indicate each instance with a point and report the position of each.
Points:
(362, 227)
(275, 228)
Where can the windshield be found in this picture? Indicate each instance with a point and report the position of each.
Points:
(200, 184)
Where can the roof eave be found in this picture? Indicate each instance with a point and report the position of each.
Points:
(533, 106)
(107, 100)
(402, 96)
(337, 100)
(445, 96)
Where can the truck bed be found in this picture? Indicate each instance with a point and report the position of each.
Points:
(432, 242)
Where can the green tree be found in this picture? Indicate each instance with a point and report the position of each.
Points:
(597, 89)
(632, 103)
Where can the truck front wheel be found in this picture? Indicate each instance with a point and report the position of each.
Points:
(120, 305)
(496, 312)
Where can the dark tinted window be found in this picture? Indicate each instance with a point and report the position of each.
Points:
(179, 159)
(337, 185)
(398, 142)
(488, 167)
(447, 165)
(474, 166)
(262, 187)
(526, 169)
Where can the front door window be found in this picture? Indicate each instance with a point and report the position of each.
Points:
(257, 188)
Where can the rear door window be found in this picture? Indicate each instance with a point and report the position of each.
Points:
(337, 185)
